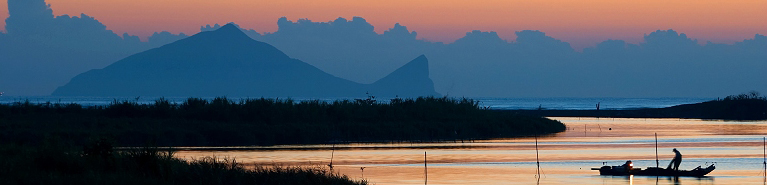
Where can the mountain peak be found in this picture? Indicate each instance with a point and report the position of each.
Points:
(229, 27)
(418, 67)
(412, 79)
(229, 35)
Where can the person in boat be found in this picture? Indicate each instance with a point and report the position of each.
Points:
(628, 166)
(676, 161)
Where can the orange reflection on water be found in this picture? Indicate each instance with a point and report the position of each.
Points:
(566, 157)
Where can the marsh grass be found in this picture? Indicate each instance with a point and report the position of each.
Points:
(223, 122)
(59, 164)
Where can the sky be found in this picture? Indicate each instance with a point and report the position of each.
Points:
(583, 23)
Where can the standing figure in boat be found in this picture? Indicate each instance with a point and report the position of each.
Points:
(676, 161)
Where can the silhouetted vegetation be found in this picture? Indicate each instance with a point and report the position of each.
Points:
(751, 106)
(54, 164)
(747, 106)
(223, 122)
(753, 95)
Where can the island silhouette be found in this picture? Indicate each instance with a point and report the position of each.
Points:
(228, 62)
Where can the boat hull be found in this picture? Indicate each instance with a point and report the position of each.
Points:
(652, 171)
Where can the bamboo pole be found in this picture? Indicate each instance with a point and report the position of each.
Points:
(657, 162)
(332, 154)
(537, 160)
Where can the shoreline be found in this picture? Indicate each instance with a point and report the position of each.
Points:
(625, 113)
(749, 111)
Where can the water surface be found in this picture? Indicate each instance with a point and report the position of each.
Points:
(565, 158)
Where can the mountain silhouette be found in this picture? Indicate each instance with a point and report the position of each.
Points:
(412, 79)
(226, 62)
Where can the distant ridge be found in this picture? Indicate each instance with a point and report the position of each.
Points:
(226, 62)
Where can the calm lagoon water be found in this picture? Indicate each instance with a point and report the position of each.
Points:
(566, 158)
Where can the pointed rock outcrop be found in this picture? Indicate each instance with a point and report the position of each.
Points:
(412, 79)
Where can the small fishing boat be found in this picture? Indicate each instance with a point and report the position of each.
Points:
(628, 169)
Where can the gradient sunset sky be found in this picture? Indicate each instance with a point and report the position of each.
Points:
(583, 23)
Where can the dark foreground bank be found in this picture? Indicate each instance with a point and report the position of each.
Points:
(737, 107)
(222, 122)
(97, 163)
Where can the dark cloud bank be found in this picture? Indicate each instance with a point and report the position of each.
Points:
(41, 52)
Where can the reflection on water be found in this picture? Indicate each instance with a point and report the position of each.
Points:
(655, 180)
(566, 158)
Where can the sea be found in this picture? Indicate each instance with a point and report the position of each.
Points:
(492, 103)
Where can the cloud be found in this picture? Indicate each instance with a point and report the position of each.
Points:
(537, 41)
(669, 41)
(41, 51)
(350, 49)
(340, 27)
(478, 37)
(758, 43)
(399, 32)
(667, 63)
(164, 37)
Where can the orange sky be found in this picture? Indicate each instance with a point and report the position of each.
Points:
(581, 22)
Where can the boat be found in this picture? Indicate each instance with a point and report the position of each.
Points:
(628, 169)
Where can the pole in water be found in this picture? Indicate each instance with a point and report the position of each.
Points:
(425, 170)
(537, 160)
(657, 163)
(332, 154)
(764, 147)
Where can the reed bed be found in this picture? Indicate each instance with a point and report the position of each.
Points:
(55, 164)
(223, 122)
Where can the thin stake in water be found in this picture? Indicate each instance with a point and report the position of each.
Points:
(537, 160)
(425, 170)
(332, 154)
(657, 163)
